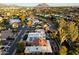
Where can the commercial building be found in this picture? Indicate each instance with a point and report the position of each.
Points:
(39, 33)
(38, 49)
(38, 43)
(32, 36)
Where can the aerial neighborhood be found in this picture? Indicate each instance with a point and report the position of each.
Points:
(39, 30)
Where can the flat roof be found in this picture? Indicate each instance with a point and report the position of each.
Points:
(46, 49)
(32, 36)
(6, 33)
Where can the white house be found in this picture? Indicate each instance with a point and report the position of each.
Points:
(36, 21)
(14, 21)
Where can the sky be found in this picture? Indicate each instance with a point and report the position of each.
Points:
(39, 1)
(50, 4)
(36, 2)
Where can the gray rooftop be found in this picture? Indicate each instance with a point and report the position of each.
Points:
(6, 33)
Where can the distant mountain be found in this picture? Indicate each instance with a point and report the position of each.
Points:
(42, 5)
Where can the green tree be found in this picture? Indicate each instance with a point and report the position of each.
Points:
(72, 31)
(20, 47)
(62, 29)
